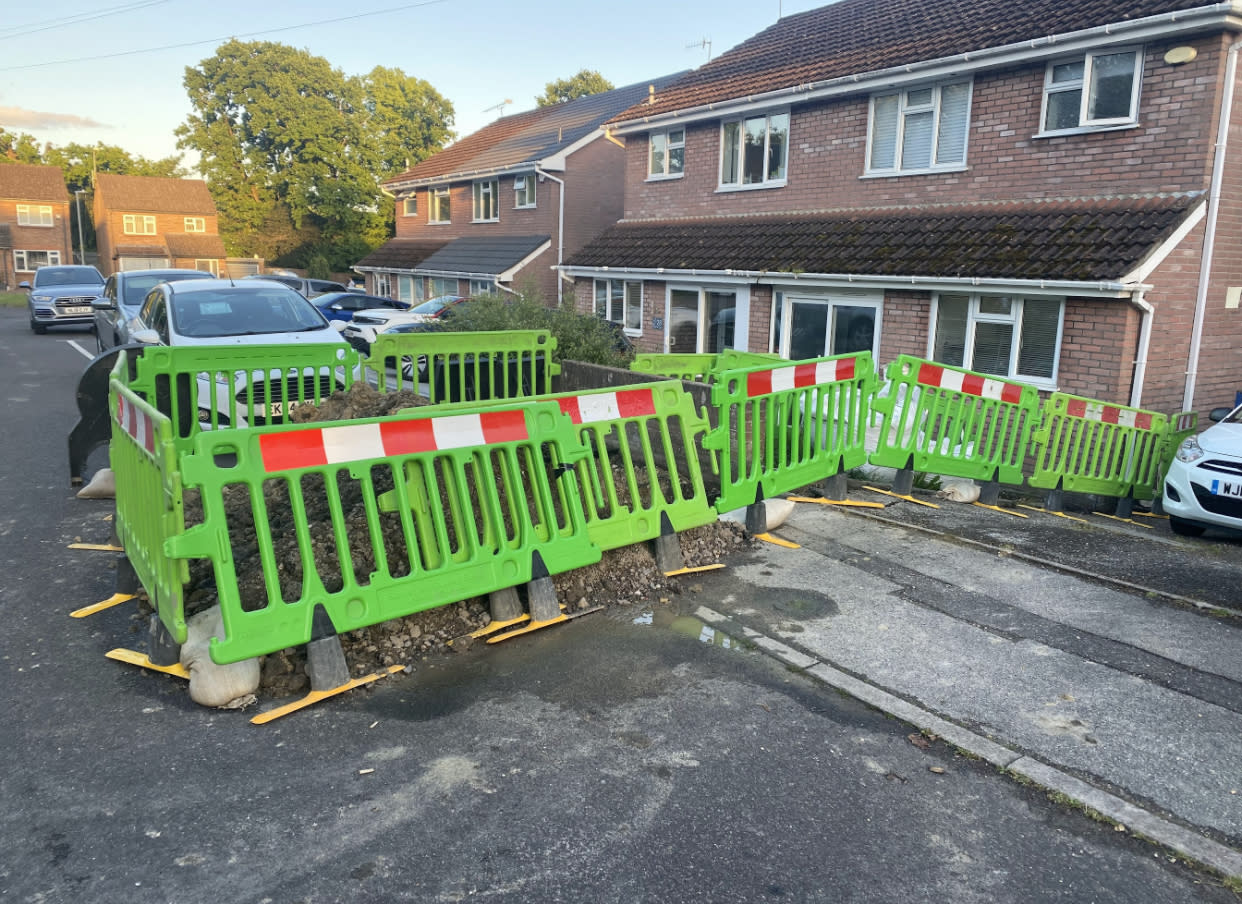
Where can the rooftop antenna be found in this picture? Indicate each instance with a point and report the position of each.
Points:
(500, 106)
(705, 43)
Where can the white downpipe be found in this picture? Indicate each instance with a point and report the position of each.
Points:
(1144, 343)
(560, 228)
(1209, 235)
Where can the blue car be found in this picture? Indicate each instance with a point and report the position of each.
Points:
(343, 305)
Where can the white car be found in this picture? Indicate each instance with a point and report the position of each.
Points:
(1204, 485)
(251, 312)
(360, 331)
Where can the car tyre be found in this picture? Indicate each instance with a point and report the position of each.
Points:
(1185, 528)
(37, 328)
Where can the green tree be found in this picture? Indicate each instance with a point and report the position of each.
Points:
(19, 147)
(587, 81)
(406, 118)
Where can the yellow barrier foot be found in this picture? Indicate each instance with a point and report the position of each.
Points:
(1125, 520)
(115, 600)
(495, 626)
(777, 541)
(106, 547)
(850, 502)
(695, 570)
(1152, 515)
(133, 657)
(1003, 511)
(899, 496)
(533, 626)
(1049, 512)
(315, 696)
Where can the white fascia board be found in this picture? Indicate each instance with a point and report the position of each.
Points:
(1049, 287)
(556, 162)
(507, 275)
(463, 176)
(1145, 269)
(1226, 16)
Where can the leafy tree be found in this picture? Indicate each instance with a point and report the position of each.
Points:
(18, 147)
(406, 118)
(587, 81)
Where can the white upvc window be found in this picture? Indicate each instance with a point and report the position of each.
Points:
(441, 286)
(620, 301)
(195, 224)
(486, 195)
(382, 284)
(138, 224)
(482, 287)
(405, 289)
(439, 206)
(34, 214)
(1005, 335)
(33, 260)
(754, 152)
(1097, 91)
(919, 130)
(524, 190)
(666, 156)
(208, 265)
(409, 206)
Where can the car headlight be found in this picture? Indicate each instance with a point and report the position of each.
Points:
(40, 297)
(1190, 450)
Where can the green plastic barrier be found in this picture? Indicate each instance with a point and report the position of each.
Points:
(698, 368)
(388, 516)
(148, 499)
(1089, 446)
(782, 428)
(946, 420)
(215, 386)
(460, 367)
(1181, 425)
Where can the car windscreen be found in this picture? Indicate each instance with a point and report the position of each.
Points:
(137, 287)
(67, 276)
(433, 306)
(237, 312)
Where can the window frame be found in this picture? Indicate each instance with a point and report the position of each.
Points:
(129, 224)
(53, 259)
(609, 296)
(740, 185)
(439, 208)
(207, 265)
(26, 214)
(381, 283)
(485, 195)
(906, 109)
(528, 181)
(1014, 319)
(194, 224)
(409, 205)
(1083, 85)
(669, 147)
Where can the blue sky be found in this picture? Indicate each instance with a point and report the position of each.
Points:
(477, 53)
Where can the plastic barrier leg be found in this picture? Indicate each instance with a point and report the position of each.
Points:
(989, 498)
(835, 492)
(668, 555)
(161, 648)
(125, 587)
(541, 600)
(506, 611)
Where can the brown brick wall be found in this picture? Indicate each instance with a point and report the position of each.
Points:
(56, 237)
(110, 232)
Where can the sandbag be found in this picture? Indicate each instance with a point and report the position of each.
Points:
(101, 486)
(959, 492)
(212, 684)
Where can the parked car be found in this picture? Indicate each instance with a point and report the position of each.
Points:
(361, 331)
(344, 305)
(310, 288)
(122, 299)
(62, 296)
(1204, 485)
(246, 312)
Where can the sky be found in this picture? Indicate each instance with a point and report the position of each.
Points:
(111, 71)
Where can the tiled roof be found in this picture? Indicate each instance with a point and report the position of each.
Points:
(154, 194)
(1079, 240)
(193, 244)
(31, 182)
(479, 254)
(859, 36)
(400, 254)
(140, 251)
(530, 136)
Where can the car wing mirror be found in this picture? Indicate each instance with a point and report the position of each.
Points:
(146, 337)
(103, 304)
(1218, 414)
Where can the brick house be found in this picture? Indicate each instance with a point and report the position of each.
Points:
(499, 209)
(34, 221)
(1038, 190)
(147, 222)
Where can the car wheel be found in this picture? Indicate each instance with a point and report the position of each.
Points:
(1185, 528)
(37, 328)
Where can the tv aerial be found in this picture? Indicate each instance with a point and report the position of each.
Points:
(705, 43)
(500, 106)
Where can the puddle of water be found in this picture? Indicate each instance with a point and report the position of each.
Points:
(690, 626)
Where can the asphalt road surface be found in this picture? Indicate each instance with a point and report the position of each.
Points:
(629, 756)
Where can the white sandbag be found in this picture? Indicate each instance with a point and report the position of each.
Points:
(212, 684)
(959, 491)
(101, 486)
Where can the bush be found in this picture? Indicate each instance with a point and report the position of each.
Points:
(579, 337)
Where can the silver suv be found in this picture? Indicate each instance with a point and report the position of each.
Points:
(122, 298)
(62, 296)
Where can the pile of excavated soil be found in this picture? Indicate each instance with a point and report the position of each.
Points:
(623, 576)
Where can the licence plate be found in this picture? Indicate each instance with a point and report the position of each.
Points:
(1232, 488)
(81, 309)
(276, 409)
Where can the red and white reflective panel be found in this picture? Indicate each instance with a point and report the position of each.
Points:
(1185, 421)
(135, 422)
(609, 406)
(766, 382)
(357, 442)
(970, 384)
(1108, 414)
